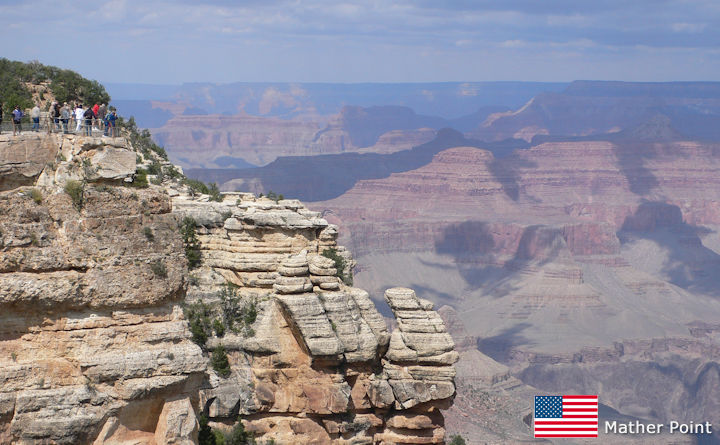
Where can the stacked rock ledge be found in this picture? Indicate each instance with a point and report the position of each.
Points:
(95, 345)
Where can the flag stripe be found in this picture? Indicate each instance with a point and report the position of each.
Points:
(567, 435)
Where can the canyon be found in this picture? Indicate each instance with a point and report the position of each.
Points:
(573, 243)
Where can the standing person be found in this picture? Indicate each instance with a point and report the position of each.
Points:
(95, 109)
(17, 116)
(35, 115)
(89, 115)
(53, 116)
(79, 112)
(112, 120)
(65, 117)
(102, 110)
(57, 116)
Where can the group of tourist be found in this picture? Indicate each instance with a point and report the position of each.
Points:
(85, 119)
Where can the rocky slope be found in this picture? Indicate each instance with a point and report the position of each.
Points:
(95, 345)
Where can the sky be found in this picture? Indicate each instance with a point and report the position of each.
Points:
(171, 42)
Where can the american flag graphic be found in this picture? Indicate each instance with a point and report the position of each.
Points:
(566, 416)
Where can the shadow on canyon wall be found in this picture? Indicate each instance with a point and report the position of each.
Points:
(688, 263)
(324, 177)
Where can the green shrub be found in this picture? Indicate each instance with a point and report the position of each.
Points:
(75, 189)
(219, 328)
(36, 196)
(198, 316)
(273, 196)
(237, 316)
(340, 265)
(65, 85)
(159, 269)
(191, 242)
(140, 180)
(205, 434)
(155, 168)
(219, 437)
(238, 436)
(456, 439)
(172, 172)
(214, 192)
(196, 186)
(147, 231)
(219, 361)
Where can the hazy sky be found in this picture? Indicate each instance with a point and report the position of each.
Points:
(158, 41)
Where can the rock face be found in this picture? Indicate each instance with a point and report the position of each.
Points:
(316, 368)
(95, 346)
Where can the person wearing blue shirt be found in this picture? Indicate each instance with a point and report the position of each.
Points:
(17, 116)
(111, 118)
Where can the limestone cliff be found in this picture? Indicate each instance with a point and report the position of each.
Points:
(95, 292)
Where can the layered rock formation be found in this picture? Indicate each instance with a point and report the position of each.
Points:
(316, 369)
(224, 141)
(94, 342)
(561, 255)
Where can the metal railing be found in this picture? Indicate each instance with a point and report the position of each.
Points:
(86, 127)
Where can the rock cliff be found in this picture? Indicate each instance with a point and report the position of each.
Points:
(100, 337)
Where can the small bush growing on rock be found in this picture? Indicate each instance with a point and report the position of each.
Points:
(340, 265)
(219, 361)
(219, 328)
(196, 186)
(456, 439)
(172, 172)
(236, 315)
(274, 197)
(147, 231)
(140, 181)
(191, 242)
(155, 168)
(198, 316)
(205, 434)
(238, 436)
(75, 190)
(36, 196)
(214, 192)
(159, 269)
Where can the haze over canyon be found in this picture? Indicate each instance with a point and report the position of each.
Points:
(570, 230)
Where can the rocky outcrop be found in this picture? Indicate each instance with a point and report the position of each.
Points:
(95, 341)
(316, 367)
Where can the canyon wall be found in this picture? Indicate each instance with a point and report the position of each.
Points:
(95, 344)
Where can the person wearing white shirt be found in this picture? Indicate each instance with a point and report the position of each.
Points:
(79, 117)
